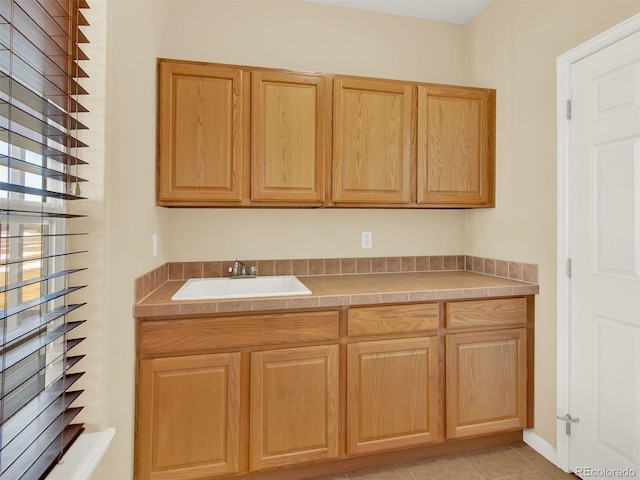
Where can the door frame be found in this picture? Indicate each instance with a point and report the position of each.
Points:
(563, 312)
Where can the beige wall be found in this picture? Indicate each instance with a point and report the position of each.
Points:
(494, 51)
(130, 216)
(514, 46)
(292, 35)
(309, 37)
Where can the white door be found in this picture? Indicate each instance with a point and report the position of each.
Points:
(605, 252)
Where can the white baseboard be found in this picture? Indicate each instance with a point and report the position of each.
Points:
(541, 446)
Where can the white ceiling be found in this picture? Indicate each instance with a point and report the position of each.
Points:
(457, 11)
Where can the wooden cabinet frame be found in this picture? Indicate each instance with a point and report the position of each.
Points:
(238, 136)
(456, 146)
(373, 137)
(293, 346)
(176, 447)
(299, 385)
(289, 131)
(191, 135)
(388, 409)
(479, 365)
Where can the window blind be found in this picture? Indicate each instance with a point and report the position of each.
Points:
(40, 91)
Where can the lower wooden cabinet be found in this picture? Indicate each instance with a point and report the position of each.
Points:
(486, 382)
(294, 406)
(223, 396)
(189, 416)
(392, 398)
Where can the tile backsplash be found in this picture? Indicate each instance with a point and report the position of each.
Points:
(147, 283)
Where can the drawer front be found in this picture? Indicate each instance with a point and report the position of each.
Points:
(202, 334)
(487, 313)
(393, 319)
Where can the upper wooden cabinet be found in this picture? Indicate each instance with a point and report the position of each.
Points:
(289, 120)
(373, 132)
(456, 136)
(203, 133)
(234, 136)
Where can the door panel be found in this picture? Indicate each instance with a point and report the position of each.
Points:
(605, 251)
(616, 250)
(372, 135)
(294, 406)
(288, 137)
(189, 416)
(456, 145)
(393, 394)
(486, 382)
(202, 140)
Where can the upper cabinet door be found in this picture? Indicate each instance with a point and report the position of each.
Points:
(289, 128)
(373, 131)
(202, 133)
(456, 142)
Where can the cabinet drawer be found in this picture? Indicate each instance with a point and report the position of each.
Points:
(487, 313)
(202, 334)
(393, 319)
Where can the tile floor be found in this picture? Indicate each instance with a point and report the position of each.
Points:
(513, 462)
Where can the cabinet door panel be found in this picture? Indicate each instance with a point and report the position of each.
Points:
(455, 145)
(294, 406)
(189, 416)
(372, 135)
(288, 137)
(392, 394)
(486, 382)
(202, 133)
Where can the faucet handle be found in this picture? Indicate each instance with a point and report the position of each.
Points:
(253, 270)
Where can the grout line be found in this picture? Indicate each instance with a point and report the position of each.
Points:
(473, 468)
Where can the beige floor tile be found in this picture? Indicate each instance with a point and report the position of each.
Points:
(452, 467)
(499, 462)
(515, 462)
(398, 471)
(554, 473)
(539, 475)
(544, 465)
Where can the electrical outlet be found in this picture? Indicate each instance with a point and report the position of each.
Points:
(154, 245)
(366, 239)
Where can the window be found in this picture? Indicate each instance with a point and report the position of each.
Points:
(40, 70)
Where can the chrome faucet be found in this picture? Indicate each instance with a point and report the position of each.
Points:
(239, 270)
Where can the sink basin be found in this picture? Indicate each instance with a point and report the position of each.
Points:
(219, 288)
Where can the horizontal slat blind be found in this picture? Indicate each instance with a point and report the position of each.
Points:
(40, 74)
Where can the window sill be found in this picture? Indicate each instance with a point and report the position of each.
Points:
(80, 461)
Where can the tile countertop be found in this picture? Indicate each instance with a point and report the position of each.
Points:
(343, 290)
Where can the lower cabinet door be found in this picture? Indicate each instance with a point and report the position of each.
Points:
(189, 416)
(486, 382)
(294, 406)
(393, 394)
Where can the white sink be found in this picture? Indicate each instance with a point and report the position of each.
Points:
(219, 288)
